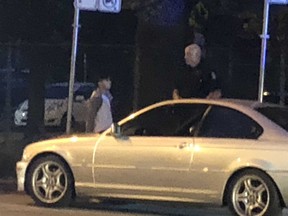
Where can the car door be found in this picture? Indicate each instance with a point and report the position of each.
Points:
(221, 143)
(152, 157)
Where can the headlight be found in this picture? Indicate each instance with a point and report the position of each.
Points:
(24, 114)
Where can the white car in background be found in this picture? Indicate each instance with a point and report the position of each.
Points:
(56, 103)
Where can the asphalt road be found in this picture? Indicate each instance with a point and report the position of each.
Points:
(14, 204)
(19, 204)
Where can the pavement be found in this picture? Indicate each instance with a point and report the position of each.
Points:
(9, 186)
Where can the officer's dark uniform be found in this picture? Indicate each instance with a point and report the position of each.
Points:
(197, 82)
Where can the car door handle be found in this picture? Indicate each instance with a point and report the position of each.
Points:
(182, 145)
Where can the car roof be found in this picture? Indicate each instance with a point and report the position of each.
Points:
(66, 84)
(248, 107)
(252, 104)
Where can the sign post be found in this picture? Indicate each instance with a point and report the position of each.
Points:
(72, 67)
(112, 6)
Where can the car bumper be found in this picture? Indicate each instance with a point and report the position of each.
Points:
(280, 179)
(21, 171)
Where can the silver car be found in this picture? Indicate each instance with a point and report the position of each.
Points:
(225, 152)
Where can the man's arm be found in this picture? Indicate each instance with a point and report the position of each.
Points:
(93, 107)
(215, 89)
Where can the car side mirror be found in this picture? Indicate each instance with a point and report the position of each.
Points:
(116, 130)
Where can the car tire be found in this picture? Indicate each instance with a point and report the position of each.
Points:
(50, 182)
(252, 192)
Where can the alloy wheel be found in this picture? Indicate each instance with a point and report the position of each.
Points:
(49, 182)
(250, 196)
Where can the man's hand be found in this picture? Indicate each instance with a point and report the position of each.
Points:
(175, 94)
(216, 94)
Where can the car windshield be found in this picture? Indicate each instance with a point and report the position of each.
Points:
(279, 115)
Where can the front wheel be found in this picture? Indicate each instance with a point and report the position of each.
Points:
(253, 193)
(50, 182)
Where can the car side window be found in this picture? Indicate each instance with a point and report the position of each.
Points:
(223, 122)
(171, 120)
(56, 92)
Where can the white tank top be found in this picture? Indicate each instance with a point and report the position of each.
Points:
(103, 118)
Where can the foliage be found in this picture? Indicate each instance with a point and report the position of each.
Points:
(199, 16)
(227, 19)
(160, 12)
(138, 4)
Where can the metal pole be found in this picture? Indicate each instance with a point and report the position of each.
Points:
(72, 67)
(264, 38)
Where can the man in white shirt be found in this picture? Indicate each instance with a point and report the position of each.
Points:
(99, 108)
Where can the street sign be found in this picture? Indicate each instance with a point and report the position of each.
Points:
(87, 4)
(112, 6)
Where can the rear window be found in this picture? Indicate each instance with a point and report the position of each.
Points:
(57, 92)
(85, 91)
(279, 115)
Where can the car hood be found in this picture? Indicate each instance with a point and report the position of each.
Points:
(65, 140)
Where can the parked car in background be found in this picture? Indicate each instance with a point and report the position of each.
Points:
(56, 104)
(225, 152)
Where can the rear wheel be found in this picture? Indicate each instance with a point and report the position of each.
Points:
(252, 192)
(50, 182)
